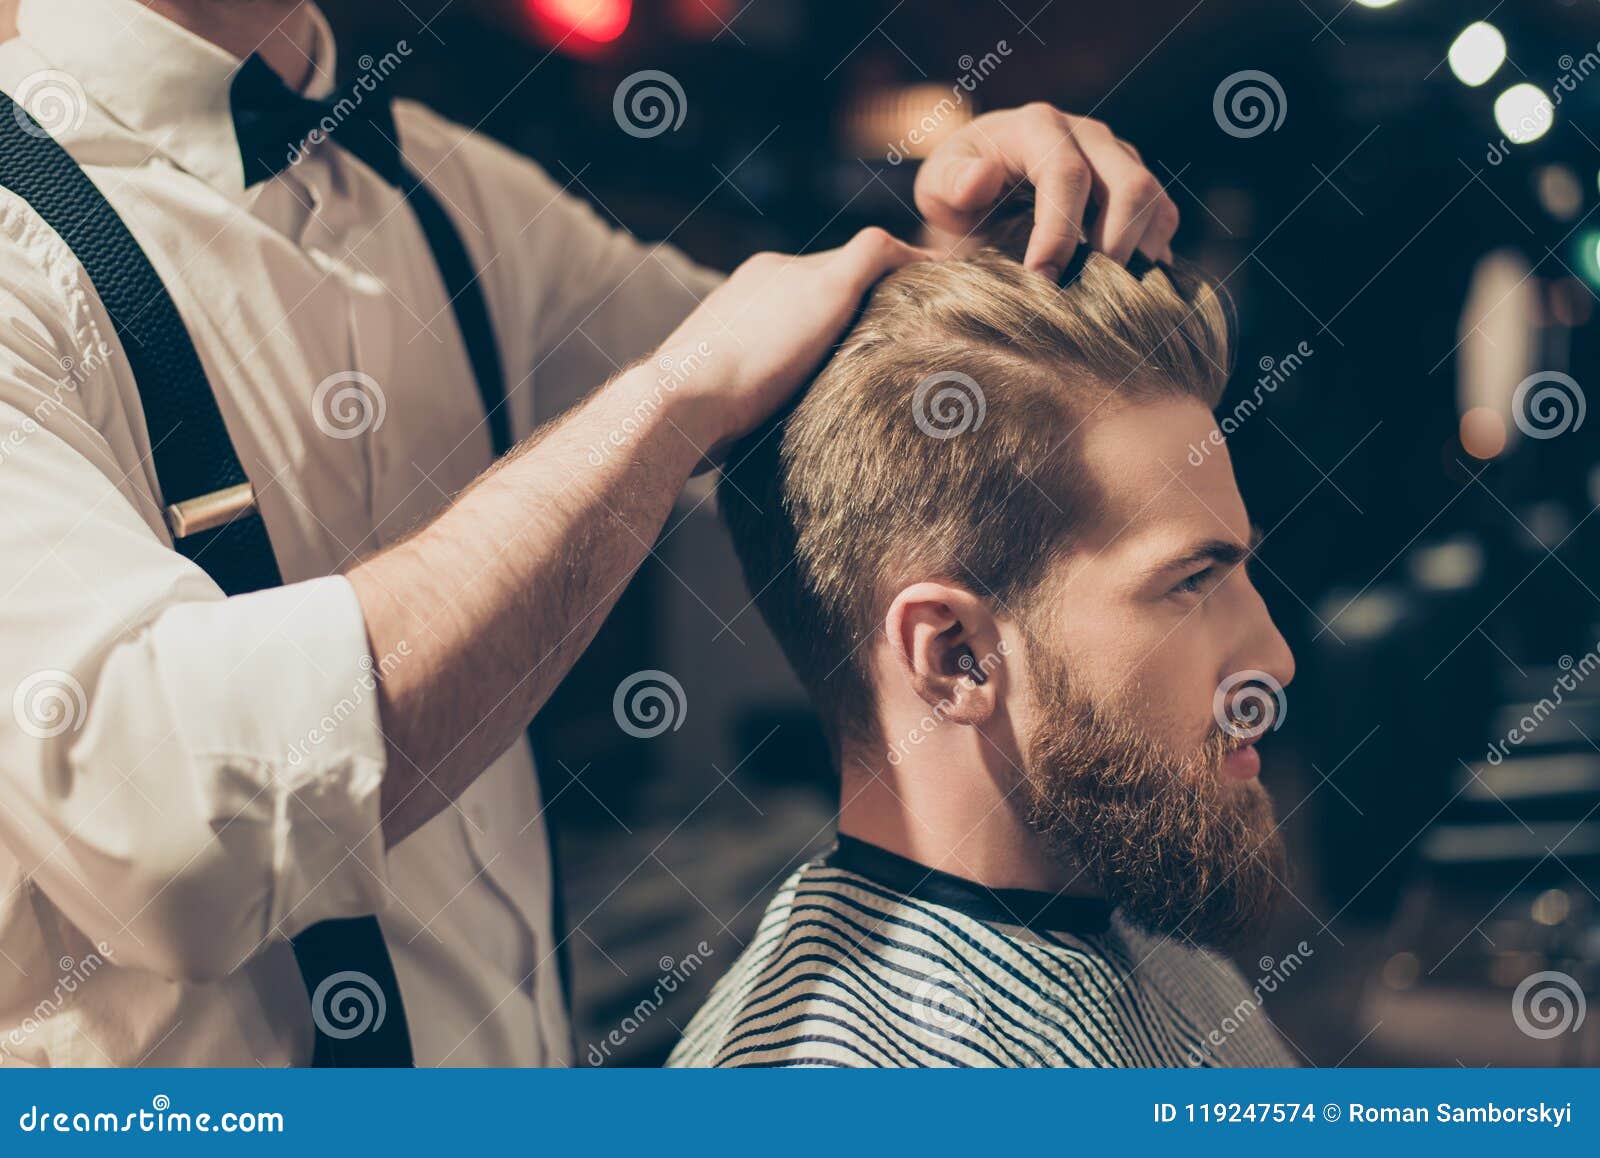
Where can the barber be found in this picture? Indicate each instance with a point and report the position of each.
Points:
(265, 796)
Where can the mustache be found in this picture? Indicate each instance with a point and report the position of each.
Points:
(1249, 704)
(1218, 745)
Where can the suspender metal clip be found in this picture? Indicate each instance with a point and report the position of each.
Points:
(205, 512)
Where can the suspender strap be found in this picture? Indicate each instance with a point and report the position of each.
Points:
(211, 513)
(468, 302)
(190, 448)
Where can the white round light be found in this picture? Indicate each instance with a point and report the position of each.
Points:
(1376, 3)
(1477, 53)
(1524, 113)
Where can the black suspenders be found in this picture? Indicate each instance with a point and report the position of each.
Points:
(210, 508)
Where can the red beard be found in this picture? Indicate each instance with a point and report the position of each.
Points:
(1177, 847)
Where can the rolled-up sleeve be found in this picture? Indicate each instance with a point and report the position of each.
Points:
(186, 776)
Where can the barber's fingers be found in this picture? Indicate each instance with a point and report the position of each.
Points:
(1068, 160)
(870, 255)
(1043, 140)
(1156, 244)
(960, 182)
(1136, 212)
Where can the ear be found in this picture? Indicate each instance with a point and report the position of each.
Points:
(948, 645)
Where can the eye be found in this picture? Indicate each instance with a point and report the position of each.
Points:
(1194, 584)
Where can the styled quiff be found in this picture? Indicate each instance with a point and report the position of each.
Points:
(938, 443)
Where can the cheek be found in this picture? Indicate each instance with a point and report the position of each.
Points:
(1169, 679)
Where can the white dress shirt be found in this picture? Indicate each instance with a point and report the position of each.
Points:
(188, 780)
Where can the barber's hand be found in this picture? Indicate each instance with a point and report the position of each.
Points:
(1069, 161)
(764, 331)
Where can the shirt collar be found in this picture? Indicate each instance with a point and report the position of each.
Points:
(158, 79)
(1025, 908)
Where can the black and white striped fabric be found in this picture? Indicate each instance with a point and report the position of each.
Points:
(867, 959)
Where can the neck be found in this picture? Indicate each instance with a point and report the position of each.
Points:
(952, 803)
(279, 30)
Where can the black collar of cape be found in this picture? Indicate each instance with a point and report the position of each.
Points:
(1039, 911)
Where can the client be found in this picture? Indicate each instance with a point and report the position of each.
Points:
(1016, 604)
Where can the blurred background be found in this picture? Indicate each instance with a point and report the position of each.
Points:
(1400, 197)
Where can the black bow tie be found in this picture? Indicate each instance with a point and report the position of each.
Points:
(276, 125)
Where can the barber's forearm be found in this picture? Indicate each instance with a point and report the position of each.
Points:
(496, 598)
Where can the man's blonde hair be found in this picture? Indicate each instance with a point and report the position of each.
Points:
(938, 442)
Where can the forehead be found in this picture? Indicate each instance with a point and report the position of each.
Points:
(1162, 483)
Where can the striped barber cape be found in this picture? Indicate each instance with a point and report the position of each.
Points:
(865, 958)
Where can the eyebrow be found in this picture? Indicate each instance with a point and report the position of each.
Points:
(1227, 552)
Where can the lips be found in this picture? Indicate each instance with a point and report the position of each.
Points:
(1242, 763)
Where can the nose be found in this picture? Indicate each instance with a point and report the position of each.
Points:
(1263, 647)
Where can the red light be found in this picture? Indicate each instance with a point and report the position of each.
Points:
(579, 24)
(704, 19)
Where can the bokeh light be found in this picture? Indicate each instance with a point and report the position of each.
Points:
(1483, 432)
(1524, 113)
(579, 24)
(1477, 53)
